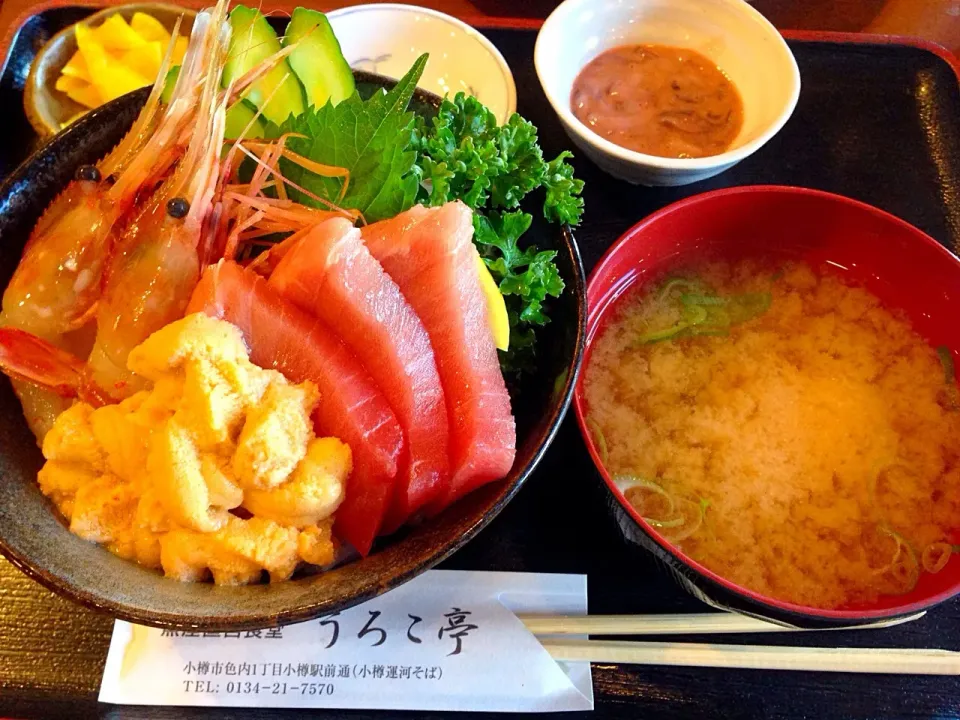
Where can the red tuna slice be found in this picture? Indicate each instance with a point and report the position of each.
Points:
(352, 408)
(430, 255)
(330, 273)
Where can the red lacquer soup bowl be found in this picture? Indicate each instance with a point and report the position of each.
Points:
(904, 267)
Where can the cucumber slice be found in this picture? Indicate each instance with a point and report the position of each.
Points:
(318, 60)
(168, 83)
(253, 41)
(238, 117)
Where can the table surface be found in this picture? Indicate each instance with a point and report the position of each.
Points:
(936, 20)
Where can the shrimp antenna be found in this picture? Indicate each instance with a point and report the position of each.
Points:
(142, 128)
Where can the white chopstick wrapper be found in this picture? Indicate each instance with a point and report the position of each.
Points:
(444, 641)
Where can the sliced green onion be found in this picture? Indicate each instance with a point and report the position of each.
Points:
(688, 299)
(673, 519)
(658, 335)
(675, 283)
(908, 573)
(946, 360)
(896, 553)
(949, 376)
(748, 306)
(705, 314)
(936, 555)
(709, 332)
(692, 315)
(628, 482)
(700, 513)
(665, 524)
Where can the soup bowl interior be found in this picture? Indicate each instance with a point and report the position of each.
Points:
(34, 537)
(905, 268)
(742, 43)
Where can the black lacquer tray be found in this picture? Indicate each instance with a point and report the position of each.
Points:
(877, 121)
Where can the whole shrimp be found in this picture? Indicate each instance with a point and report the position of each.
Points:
(160, 256)
(155, 264)
(155, 260)
(160, 262)
(57, 282)
(55, 287)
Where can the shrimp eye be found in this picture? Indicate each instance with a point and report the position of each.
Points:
(88, 173)
(112, 179)
(177, 208)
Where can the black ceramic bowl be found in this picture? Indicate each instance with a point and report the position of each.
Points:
(34, 538)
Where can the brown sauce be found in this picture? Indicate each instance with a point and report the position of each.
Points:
(658, 100)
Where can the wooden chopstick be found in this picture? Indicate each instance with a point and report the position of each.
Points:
(691, 624)
(760, 657)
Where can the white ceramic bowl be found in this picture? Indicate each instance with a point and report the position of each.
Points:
(743, 44)
(386, 38)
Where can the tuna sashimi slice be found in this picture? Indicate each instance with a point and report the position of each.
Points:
(330, 273)
(430, 254)
(352, 408)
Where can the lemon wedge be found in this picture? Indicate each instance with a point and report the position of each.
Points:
(496, 307)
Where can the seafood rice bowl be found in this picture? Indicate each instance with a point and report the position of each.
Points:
(251, 342)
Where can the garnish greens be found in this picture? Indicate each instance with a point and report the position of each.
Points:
(370, 138)
(949, 377)
(465, 155)
(703, 312)
(396, 159)
(683, 517)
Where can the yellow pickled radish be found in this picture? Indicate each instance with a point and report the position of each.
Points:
(79, 91)
(144, 60)
(496, 307)
(116, 80)
(150, 29)
(180, 49)
(111, 78)
(116, 34)
(91, 50)
(76, 67)
(116, 58)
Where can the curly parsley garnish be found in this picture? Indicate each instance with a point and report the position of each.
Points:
(461, 154)
(464, 155)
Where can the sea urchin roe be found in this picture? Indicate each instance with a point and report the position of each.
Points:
(817, 432)
(214, 472)
(658, 100)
